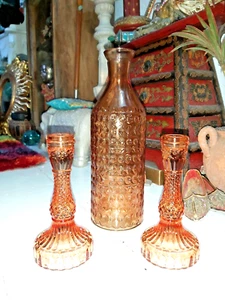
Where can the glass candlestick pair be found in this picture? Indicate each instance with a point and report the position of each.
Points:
(64, 245)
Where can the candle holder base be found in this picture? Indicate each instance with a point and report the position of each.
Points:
(170, 246)
(63, 246)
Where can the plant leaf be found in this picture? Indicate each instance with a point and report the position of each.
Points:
(223, 53)
(222, 30)
(197, 41)
(212, 22)
(192, 33)
(207, 40)
(211, 31)
(214, 42)
(202, 22)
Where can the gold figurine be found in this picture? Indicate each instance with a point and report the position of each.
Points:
(169, 11)
(17, 75)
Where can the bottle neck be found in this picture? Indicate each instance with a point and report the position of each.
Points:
(119, 60)
(119, 71)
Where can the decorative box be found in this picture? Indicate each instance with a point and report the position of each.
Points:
(179, 90)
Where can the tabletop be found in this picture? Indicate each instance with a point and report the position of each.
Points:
(116, 269)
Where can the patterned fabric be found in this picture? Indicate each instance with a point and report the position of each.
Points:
(69, 103)
(14, 155)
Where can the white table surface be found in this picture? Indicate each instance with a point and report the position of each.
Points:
(117, 269)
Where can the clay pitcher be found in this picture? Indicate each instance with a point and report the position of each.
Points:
(212, 143)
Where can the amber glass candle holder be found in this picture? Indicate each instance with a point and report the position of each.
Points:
(64, 245)
(169, 244)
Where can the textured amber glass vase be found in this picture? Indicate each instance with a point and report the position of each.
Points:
(64, 245)
(118, 126)
(169, 244)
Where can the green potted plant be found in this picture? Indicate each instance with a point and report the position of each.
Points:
(209, 39)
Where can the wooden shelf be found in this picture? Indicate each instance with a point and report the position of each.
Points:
(218, 11)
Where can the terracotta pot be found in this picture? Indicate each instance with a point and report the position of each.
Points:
(212, 143)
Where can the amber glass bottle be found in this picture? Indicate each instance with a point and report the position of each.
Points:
(118, 126)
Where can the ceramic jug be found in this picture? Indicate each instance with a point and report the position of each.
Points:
(212, 143)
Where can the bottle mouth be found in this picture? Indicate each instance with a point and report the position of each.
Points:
(113, 53)
(60, 139)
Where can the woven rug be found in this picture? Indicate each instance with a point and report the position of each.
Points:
(15, 155)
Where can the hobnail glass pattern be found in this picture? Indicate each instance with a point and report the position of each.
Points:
(118, 125)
